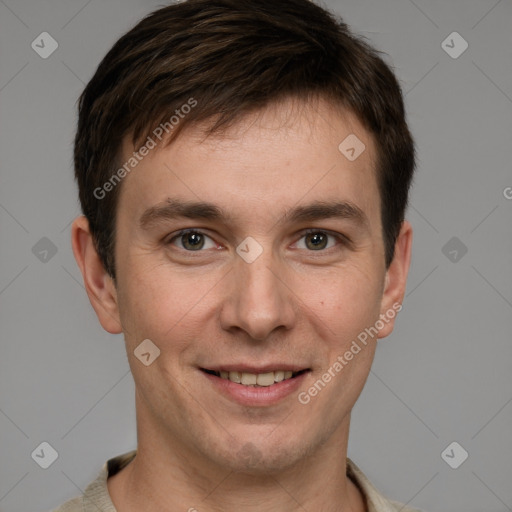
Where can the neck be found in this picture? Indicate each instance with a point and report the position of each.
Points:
(167, 475)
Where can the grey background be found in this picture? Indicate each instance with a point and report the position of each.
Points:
(443, 375)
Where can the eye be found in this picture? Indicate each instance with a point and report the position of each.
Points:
(192, 240)
(317, 240)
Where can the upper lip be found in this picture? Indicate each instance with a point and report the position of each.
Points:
(248, 368)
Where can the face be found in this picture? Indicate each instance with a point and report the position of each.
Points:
(279, 273)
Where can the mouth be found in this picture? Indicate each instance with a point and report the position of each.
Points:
(256, 380)
(251, 386)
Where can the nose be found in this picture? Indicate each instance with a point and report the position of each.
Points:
(258, 299)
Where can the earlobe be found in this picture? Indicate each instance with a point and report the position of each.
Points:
(396, 280)
(98, 284)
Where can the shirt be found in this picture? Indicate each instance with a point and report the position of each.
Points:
(96, 497)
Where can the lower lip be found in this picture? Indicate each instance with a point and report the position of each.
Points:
(256, 396)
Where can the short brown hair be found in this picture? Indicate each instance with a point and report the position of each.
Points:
(234, 57)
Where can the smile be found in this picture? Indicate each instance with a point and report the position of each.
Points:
(255, 379)
(260, 387)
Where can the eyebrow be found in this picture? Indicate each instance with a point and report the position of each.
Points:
(318, 210)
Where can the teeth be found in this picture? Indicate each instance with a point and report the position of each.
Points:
(264, 379)
(249, 379)
(278, 376)
(234, 377)
(252, 379)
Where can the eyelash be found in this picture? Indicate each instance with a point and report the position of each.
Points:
(342, 239)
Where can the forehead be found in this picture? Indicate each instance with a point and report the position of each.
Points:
(287, 154)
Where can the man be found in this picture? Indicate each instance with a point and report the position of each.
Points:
(243, 170)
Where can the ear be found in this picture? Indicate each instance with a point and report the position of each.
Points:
(99, 285)
(396, 280)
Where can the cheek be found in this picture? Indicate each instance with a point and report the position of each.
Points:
(149, 305)
(166, 306)
(346, 301)
(344, 307)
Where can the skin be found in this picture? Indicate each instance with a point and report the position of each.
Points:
(197, 448)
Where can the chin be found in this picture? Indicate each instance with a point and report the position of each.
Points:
(262, 459)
